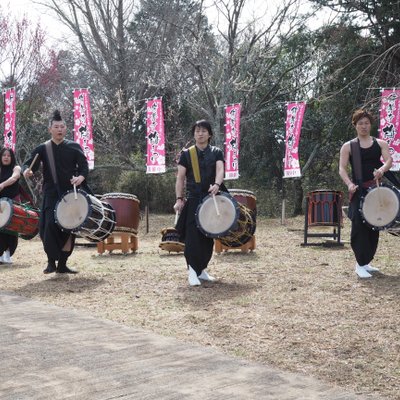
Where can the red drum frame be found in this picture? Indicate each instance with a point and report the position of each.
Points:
(323, 209)
(18, 219)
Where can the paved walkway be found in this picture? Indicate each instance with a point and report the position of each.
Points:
(53, 353)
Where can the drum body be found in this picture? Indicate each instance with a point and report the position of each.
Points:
(170, 240)
(248, 199)
(324, 208)
(245, 197)
(18, 219)
(127, 211)
(234, 226)
(380, 207)
(85, 216)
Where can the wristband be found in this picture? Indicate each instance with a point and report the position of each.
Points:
(215, 183)
(179, 198)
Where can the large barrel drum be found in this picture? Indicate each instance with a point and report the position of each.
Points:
(127, 212)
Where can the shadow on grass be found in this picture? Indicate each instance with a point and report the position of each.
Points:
(57, 283)
(210, 292)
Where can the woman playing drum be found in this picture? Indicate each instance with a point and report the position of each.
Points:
(364, 239)
(200, 181)
(9, 187)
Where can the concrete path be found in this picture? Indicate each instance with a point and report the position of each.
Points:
(53, 353)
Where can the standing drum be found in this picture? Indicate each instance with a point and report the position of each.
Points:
(324, 208)
(84, 215)
(248, 199)
(18, 219)
(234, 224)
(127, 211)
(380, 207)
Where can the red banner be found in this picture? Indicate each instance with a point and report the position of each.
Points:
(10, 111)
(294, 120)
(155, 137)
(389, 123)
(83, 132)
(232, 141)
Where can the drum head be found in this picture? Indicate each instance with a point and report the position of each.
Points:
(210, 222)
(380, 207)
(5, 211)
(71, 213)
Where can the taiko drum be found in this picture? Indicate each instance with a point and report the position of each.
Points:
(324, 207)
(127, 211)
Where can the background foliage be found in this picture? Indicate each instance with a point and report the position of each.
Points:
(128, 51)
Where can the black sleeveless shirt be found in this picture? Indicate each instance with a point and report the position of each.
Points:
(10, 191)
(207, 163)
(370, 160)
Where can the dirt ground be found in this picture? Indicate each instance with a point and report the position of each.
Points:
(298, 308)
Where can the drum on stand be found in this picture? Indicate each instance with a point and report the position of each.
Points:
(248, 199)
(234, 224)
(380, 208)
(84, 215)
(18, 219)
(170, 240)
(127, 211)
(324, 208)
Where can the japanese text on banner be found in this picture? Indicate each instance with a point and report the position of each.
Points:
(10, 108)
(232, 141)
(389, 124)
(294, 120)
(155, 137)
(83, 132)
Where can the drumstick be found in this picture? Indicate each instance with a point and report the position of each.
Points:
(216, 205)
(176, 217)
(75, 195)
(33, 162)
(379, 192)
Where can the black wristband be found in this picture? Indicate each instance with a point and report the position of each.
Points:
(179, 198)
(215, 183)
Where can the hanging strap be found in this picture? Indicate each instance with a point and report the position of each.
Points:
(52, 164)
(195, 163)
(356, 160)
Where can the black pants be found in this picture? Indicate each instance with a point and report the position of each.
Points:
(198, 247)
(364, 240)
(53, 238)
(8, 242)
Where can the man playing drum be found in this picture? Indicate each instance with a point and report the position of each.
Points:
(64, 165)
(364, 239)
(201, 180)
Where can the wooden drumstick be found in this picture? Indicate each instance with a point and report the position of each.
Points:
(176, 217)
(75, 194)
(33, 162)
(216, 205)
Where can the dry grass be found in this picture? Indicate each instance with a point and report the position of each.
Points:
(298, 308)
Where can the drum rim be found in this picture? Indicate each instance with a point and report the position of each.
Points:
(118, 195)
(9, 201)
(389, 224)
(89, 214)
(220, 234)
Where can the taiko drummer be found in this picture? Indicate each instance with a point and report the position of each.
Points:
(202, 166)
(9, 187)
(364, 154)
(64, 165)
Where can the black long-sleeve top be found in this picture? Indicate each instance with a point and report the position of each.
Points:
(69, 161)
